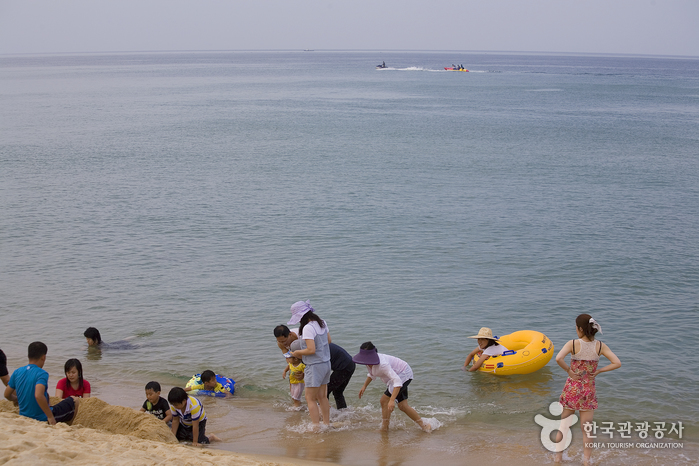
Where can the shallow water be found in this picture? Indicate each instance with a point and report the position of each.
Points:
(188, 199)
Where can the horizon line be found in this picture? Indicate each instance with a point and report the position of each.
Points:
(516, 52)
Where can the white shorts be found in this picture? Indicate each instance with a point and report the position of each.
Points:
(296, 390)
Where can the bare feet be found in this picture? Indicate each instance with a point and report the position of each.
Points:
(425, 426)
(214, 438)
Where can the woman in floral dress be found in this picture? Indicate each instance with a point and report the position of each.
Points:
(579, 392)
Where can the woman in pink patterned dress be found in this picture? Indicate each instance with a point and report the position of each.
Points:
(579, 392)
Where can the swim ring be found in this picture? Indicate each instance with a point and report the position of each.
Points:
(528, 351)
(228, 386)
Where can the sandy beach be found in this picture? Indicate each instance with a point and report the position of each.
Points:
(107, 434)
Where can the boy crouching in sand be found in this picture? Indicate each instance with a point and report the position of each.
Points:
(188, 418)
(155, 404)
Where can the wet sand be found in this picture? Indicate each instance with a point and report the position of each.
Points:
(106, 434)
(255, 433)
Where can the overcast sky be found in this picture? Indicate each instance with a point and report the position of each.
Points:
(654, 27)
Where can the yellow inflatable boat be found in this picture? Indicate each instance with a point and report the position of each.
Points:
(528, 351)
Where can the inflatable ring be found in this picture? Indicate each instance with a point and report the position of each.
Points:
(227, 384)
(528, 351)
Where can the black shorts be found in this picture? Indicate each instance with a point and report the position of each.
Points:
(3, 364)
(186, 433)
(402, 394)
(64, 411)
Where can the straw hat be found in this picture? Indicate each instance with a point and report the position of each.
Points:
(485, 332)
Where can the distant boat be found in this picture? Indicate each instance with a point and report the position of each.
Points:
(308, 50)
(381, 66)
(456, 68)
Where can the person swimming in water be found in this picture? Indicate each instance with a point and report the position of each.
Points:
(94, 340)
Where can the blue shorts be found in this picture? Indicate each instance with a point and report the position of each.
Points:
(316, 375)
(64, 411)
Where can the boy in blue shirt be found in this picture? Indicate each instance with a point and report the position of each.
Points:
(28, 387)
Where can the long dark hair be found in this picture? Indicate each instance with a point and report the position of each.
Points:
(583, 323)
(71, 363)
(310, 316)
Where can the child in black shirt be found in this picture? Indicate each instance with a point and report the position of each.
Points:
(155, 405)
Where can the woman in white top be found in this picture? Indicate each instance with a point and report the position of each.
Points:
(397, 375)
(315, 354)
(487, 345)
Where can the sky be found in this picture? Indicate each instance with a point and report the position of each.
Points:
(647, 27)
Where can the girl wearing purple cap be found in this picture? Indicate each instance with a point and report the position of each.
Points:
(316, 356)
(397, 375)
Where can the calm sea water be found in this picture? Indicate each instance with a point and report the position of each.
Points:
(188, 199)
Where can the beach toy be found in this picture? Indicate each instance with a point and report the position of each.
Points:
(228, 386)
(528, 351)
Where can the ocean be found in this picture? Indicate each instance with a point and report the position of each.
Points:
(185, 200)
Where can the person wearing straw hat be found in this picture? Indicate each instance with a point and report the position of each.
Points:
(397, 375)
(487, 346)
(316, 356)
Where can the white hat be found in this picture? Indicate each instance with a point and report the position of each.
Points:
(298, 310)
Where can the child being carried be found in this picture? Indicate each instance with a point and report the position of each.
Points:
(296, 368)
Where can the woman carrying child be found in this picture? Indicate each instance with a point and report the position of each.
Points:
(579, 393)
(397, 375)
(316, 356)
(487, 346)
(73, 383)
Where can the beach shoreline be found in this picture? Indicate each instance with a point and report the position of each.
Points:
(257, 427)
(110, 434)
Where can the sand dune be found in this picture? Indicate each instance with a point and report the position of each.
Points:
(106, 434)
